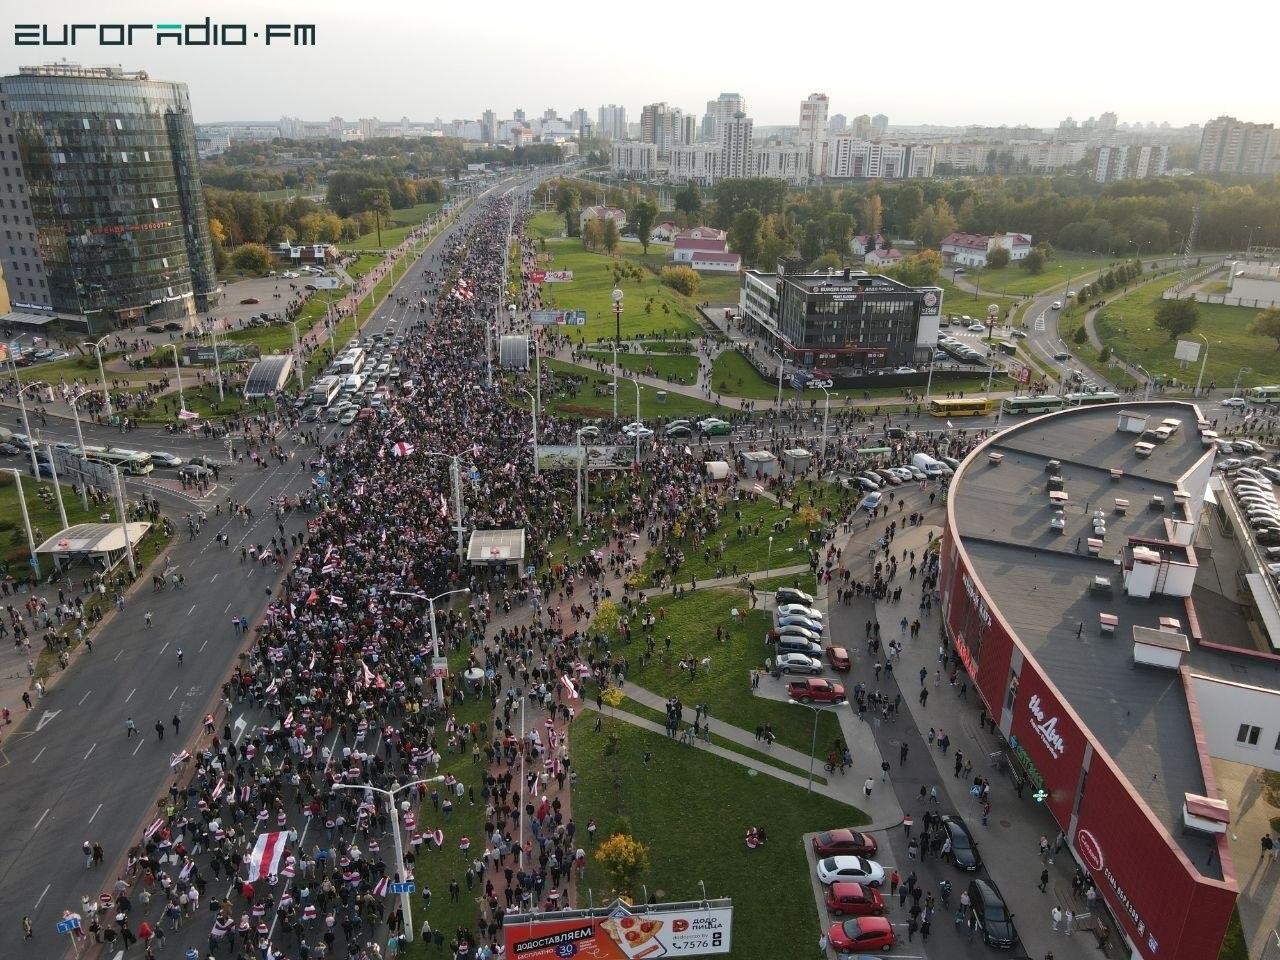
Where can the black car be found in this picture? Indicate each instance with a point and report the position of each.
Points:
(155, 328)
(194, 471)
(964, 850)
(173, 325)
(994, 919)
(8, 450)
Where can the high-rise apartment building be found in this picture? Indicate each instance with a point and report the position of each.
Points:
(612, 122)
(735, 147)
(518, 115)
(100, 197)
(1131, 161)
(812, 133)
(861, 128)
(665, 126)
(489, 126)
(837, 124)
(879, 125)
(724, 107)
(1230, 146)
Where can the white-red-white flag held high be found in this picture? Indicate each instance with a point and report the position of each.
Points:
(266, 856)
(569, 687)
(402, 449)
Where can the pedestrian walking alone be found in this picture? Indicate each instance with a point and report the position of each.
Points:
(130, 728)
(1044, 881)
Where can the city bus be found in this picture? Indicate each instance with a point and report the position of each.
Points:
(324, 390)
(1264, 394)
(1007, 346)
(348, 363)
(1090, 399)
(133, 462)
(962, 407)
(1045, 403)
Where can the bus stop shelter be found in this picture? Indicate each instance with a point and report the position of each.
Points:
(101, 545)
(497, 548)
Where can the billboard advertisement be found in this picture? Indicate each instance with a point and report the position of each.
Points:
(537, 276)
(1048, 741)
(981, 642)
(570, 456)
(618, 933)
(559, 276)
(199, 354)
(1188, 351)
(562, 318)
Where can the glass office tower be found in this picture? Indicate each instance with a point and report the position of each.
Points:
(101, 209)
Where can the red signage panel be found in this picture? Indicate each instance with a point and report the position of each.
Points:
(983, 645)
(1049, 741)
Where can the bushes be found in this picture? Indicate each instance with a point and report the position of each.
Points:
(252, 258)
(681, 279)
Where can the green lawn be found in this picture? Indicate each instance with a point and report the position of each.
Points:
(1234, 946)
(546, 224)
(1128, 325)
(587, 404)
(591, 290)
(692, 810)
(42, 512)
(399, 226)
(691, 620)
(681, 369)
(719, 288)
(1013, 280)
(363, 263)
(801, 581)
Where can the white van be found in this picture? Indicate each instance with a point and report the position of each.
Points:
(931, 467)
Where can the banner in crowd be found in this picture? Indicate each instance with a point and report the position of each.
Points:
(266, 856)
(623, 933)
(571, 318)
(559, 276)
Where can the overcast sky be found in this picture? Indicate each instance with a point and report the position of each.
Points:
(925, 62)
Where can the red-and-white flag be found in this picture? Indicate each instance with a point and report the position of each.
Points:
(266, 856)
(402, 449)
(569, 687)
(178, 758)
(152, 830)
(380, 888)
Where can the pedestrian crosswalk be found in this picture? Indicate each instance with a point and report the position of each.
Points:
(1040, 321)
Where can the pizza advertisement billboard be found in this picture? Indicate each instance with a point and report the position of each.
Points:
(618, 933)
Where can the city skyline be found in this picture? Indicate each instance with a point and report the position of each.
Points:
(436, 64)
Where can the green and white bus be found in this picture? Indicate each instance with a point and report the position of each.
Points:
(1090, 399)
(1264, 394)
(133, 462)
(1045, 403)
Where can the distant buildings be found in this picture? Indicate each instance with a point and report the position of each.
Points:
(883, 258)
(812, 132)
(705, 249)
(1246, 149)
(735, 159)
(639, 160)
(611, 122)
(851, 157)
(1126, 162)
(602, 213)
(105, 221)
(665, 126)
(971, 249)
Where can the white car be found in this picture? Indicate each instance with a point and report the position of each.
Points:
(633, 430)
(349, 416)
(167, 460)
(799, 663)
(1057, 304)
(1229, 464)
(977, 328)
(799, 610)
(850, 870)
(902, 473)
(1235, 402)
(905, 370)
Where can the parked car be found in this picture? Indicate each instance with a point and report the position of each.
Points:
(173, 325)
(854, 900)
(8, 450)
(838, 657)
(977, 328)
(715, 427)
(816, 691)
(798, 663)
(155, 328)
(792, 620)
(851, 869)
(994, 919)
(964, 850)
(633, 430)
(162, 459)
(678, 431)
(799, 645)
(860, 934)
(799, 610)
(209, 462)
(870, 501)
(792, 595)
(844, 842)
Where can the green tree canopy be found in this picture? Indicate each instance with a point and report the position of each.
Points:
(1177, 317)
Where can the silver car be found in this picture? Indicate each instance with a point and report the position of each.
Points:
(799, 663)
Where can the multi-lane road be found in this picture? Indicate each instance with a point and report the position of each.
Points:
(72, 771)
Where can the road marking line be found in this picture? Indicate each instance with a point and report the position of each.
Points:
(43, 892)
(227, 607)
(165, 647)
(215, 577)
(95, 813)
(192, 610)
(175, 690)
(131, 693)
(138, 747)
(201, 650)
(37, 756)
(91, 749)
(40, 821)
(84, 698)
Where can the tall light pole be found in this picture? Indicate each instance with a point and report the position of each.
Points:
(217, 363)
(297, 355)
(26, 424)
(537, 373)
(26, 519)
(406, 903)
(1203, 361)
(435, 637)
(102, 375)
(928, 384)
(533, 409)
(457, 492)
(582, 468)
(75, 411)
(826, 410)
(182, 402)
(617, 336)
(124, 518)
(637, 386)
(817, 709)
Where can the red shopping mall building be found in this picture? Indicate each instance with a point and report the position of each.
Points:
(1075, 616)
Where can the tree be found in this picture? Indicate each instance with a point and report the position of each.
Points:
(933, 223)
(252, 258)
(1081, 336)
(998, 258)
(871, 214)
(905, 207)
(919, 270)
(683, 279)
(625, 859)
(838, 228)
(593, 235)
(1177, 317)
(217, 231)
(745, 235)
(643, 216)
(828, 261)
(568, 201)
(689, 201)
(1267, 324)
(774, 245)
(610, 236)
(811, 240)
(378, 202)
(607, 617)
(1034, 261)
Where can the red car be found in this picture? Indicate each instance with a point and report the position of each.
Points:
(814, 690)
(854, 900)
(843, 843)
(860, 934)
(838, 657)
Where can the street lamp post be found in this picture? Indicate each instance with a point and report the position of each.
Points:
(533, 409)
(637, 386)
(75, 412)
(813, 746)
(826, 410)
(768, 570)
(1235, 387)
(102, 375)
(582, 467)
(406, 903)
(1203, 362)
(928, 384)
(455, 476)
(26, 424)
(26, 519)
(617, 337)
(217, 363)
(182, 402)
(297, 355)
(435, 637)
